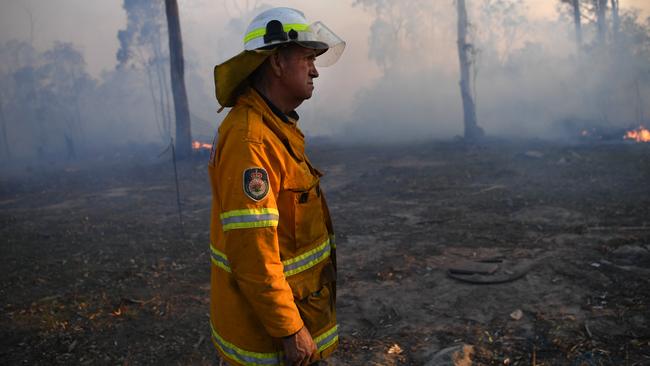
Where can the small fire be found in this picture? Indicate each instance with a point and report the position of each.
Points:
(641, 134)
(197, 145)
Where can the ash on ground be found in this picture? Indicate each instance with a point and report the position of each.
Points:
(96, 270)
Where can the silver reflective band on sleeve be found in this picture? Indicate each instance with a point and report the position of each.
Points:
(292, 266)
(219, 259)
(307, 260)
(249, 218)
(244, 357)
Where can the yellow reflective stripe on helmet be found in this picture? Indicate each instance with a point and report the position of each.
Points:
(260, 32)
(249, 218)
(249, 358)
(219, 259)
(307, 260)
(244, 357)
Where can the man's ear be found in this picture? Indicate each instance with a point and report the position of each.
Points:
(275, 60)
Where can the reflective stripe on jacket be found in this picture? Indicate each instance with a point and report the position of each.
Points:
(273, 258)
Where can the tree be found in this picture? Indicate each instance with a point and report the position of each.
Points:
(465, 52)
(601, 21)
(41, 98)
(394, 29)
(616, 22)
(181, 107)
(62, 80)
(577, 22)
(141, 47)
(18, 62)
(596, 13)
(503, 26)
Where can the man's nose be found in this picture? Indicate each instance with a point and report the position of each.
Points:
(313, 72)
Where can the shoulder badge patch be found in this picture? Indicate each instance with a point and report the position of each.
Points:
(256, 183)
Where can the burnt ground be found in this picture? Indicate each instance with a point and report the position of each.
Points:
(95, 270)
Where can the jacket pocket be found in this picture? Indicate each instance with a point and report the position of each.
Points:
(309, 223)
(314, 295)
(309, 220)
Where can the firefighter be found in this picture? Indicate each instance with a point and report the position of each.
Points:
(273, 271)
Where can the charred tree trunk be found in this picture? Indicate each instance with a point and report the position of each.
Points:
(578, 25)
(472, 131)
(616, 22)
(601, 7)
(181, 107)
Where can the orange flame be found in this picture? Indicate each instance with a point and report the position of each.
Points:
(197, 145)
(641, 134)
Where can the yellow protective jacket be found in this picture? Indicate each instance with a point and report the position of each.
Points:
(271, 242)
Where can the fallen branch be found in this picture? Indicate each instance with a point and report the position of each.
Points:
(504, 276)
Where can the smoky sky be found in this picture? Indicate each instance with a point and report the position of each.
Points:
(529, 79)
(397, 80)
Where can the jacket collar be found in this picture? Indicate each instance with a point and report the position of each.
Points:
(284, 128)
(291, 118)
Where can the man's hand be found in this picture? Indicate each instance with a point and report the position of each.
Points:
(298, 348)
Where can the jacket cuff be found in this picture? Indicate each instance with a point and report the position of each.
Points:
(289, 331)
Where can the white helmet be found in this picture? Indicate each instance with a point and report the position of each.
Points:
(271, 28)
(284, 25)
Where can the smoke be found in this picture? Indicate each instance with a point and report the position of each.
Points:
(40, 94)
(52, 109)
(529, 81)
(397, 81)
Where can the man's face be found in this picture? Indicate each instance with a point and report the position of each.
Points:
(299, 71)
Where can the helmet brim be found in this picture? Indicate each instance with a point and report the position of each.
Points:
(231, 78)
(314, 45)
